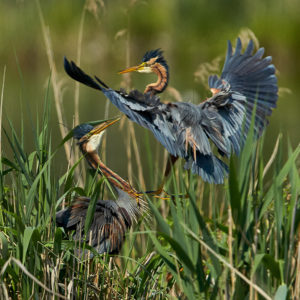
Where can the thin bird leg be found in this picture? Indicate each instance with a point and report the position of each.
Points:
(170, 162)
(190, 139)
(187, 134)
(194, 150)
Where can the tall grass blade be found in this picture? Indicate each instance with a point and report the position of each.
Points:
(280, 179)
(281, 293)
(26, 240)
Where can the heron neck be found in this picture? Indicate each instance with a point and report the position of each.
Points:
(162, 80)
(116, 180)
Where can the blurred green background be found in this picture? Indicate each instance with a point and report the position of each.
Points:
(190, 32)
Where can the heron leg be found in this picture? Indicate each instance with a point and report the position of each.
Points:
(170, 162)
(189, 139)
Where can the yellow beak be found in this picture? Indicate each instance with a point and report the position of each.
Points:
(99, 128)
(131, 69)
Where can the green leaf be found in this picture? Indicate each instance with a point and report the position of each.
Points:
(57, 241)
(9, 163)
(26, 241)
(4, 246)
(14, 277)
(279, 179)
(94, 123)
(281, 293)
(91, 208)
(163, 225)
(70, 176)
(31, 159)
(164, 254)
(32, 192)
(181, 254)
(235, 196)
(247, 152)
(272, 265)
(207, 237)
(257, 260)
(178, 233)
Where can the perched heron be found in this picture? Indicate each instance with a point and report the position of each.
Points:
(185, 129)
(111, 218)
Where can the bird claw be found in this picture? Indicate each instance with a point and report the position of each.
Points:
(215, 91)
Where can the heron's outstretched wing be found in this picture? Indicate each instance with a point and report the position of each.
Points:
(135, 100)
(145, 110)
(247, 83)
(107, 231)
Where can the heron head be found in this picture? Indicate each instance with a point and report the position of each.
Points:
(92, 135)
(81, 130)
(152, 60)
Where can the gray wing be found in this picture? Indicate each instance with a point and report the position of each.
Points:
(246, 81)
(145, 110)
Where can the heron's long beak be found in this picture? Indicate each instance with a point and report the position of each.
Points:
(101, 127)
(131, 69)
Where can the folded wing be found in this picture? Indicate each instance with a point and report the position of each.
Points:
(108, 228)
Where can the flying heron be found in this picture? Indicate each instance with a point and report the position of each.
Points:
(247, 82)
(112, 218)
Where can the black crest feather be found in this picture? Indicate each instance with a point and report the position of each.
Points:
(156, 53)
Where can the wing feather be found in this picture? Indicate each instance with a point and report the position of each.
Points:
(184, 129)
(109, 224)
(252, 83)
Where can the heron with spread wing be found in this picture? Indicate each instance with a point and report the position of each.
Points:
(111, 218)
(247, 82)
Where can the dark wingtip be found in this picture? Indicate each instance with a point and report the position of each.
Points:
(249, 48)
(229, 50)
(238, 47)
(77, 74)
(66, 64)
(69, 67)
(101, 82)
